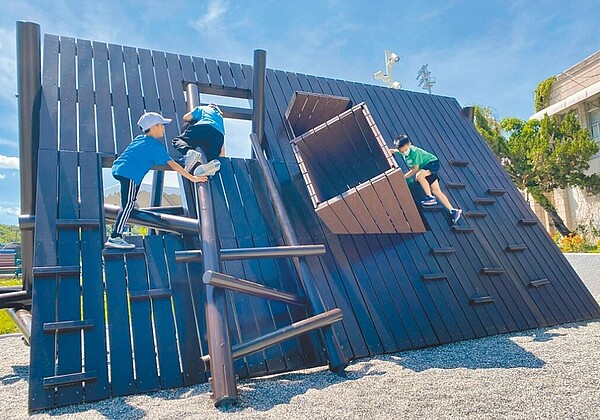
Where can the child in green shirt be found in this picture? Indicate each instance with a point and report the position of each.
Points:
(424, 166)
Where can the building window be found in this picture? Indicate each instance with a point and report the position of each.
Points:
(594, 124)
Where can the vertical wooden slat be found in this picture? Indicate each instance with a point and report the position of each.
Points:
(122, 128)
(85, 89)
(104, 117)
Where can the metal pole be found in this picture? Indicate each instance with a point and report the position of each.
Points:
(297, 328)
(162, 221)
(219, 344)
(158, 184)
(337, 360)
(236, 254)
(29, 87)
(22, 319)
(259, 71)
(250, 288)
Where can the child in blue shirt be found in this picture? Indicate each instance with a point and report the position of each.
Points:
(204, 129)
(144, 152)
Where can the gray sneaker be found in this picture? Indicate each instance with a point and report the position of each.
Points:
(191, 160)
(118, 243)
(208, 169)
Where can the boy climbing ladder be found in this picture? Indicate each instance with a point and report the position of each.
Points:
(424, 166)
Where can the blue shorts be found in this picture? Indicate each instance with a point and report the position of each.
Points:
(433, 167)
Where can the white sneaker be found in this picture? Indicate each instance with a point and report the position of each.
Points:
(118, 243)
(208, 169)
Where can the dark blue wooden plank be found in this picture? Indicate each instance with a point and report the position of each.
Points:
(85, 97)
(146, 372)
(176, 78)
(226, 75)
(104, 117)
(151, 102)
(119, 337)
(238, 76)
(270, 275)
(69, 353)
(162, 314)
(68, 95)
(214, 75)
(188, 330)
(167, 106)
(134, 87)
(95, 348)
(200, 70)
(187, 69)
(49, 97)
(122, 128)
(43, 350)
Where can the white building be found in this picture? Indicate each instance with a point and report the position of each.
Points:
(577, 89)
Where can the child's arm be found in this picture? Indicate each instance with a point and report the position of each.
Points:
(222, 150)
(190, 115)
(178, 168)
(413, 171)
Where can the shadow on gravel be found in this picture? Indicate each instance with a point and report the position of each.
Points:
(263, 394)
(20, 373)
(114, 408)
(498, 352)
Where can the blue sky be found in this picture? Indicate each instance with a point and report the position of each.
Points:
(492, 53)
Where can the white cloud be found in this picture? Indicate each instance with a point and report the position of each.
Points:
(9, 162)
(15, 211)
(210, 21)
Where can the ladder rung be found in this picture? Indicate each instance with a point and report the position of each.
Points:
(150, 294)
(69, 379)
(538, 283)
(496, 191)
(485, 201)
(492, 271)
(458, 162)
(442, 250)
(529, 221)
(66, 326)
(59, 270)
(516, 247)
(455, 185)
(434, 276)
(463, 229)
(77, 223)
(480, 300)
(475, 214)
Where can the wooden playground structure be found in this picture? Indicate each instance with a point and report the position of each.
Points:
(312, 252)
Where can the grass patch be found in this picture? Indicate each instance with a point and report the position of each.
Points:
(7, 326)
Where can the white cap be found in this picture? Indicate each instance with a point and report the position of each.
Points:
(151, 118)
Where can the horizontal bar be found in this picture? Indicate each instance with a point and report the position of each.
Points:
(252, 253)
(26, 222)
(457, 162)
(430, 209)
(492, 271)
(150, 294)
(17, 294)
(166, 222)
(480, 300)
(496, 191)
(538, 283)
(236, 112)
(455, 185)
(297, 328)
(76, 223)
(59, 270)
(485, 201)
(516, 247)
(476, 214)
(69, 379)
(172, 210)
(66, 326)
(442, 250)
(434, 276)
(529, 221)
(136, 252)
(463, 229)
(250, 288)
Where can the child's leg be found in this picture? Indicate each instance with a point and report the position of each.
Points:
(422, 179)
(129, 192)
(437, 191)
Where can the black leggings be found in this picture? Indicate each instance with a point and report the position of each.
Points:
(209, 139)
(129, 191)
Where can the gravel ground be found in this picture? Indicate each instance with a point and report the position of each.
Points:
(549, 373)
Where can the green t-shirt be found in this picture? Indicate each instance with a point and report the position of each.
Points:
(418, 157)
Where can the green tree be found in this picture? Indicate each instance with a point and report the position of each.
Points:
(9, 233)
(542, 155)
